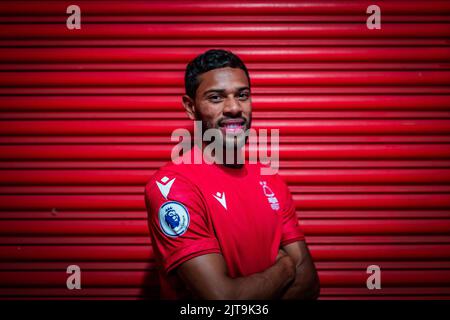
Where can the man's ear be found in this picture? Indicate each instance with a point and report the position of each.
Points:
(189, 106)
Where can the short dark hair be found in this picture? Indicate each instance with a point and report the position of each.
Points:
(210, 60)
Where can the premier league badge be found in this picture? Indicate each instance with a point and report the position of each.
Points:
(173, 218)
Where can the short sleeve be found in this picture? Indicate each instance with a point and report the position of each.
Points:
(180, 228)
(291, 230)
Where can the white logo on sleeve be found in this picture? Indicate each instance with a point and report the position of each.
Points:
(173, 218)
(165, 186)
(221, 198)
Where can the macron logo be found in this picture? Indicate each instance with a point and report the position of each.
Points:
(165, 186)
(221, 198)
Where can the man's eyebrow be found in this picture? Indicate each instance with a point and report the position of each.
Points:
(213, 90)
(223, 90)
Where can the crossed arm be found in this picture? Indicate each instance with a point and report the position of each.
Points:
(292, 276)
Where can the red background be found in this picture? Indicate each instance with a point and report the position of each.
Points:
(86, 118)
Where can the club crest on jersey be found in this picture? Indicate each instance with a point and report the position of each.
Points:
(173, 218)
(273, 201)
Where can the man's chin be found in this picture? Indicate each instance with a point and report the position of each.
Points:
(229, 141)
(234, 140)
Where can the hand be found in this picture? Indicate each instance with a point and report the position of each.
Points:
(281, 253)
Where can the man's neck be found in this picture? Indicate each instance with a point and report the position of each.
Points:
(230, 158)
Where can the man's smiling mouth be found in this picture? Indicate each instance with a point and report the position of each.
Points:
(230, 126)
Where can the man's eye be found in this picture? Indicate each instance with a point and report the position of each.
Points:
(214, 98)
(243, 95)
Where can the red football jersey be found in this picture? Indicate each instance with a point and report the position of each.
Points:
(196, 209)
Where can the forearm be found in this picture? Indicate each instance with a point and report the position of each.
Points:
(306, 284)
(206, 276)
(269, 284)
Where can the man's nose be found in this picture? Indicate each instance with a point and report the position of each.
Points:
(232, 107)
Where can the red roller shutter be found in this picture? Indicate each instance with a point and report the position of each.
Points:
(86, 118)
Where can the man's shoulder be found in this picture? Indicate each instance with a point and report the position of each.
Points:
(186, 177)
(265, 171)
(168, 172)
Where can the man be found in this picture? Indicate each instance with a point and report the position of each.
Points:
(223, 230)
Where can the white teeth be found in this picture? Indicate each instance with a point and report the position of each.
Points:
(232, 125)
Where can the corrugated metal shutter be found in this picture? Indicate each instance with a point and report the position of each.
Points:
(86, 117)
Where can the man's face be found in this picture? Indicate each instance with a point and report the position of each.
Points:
(223, 102)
